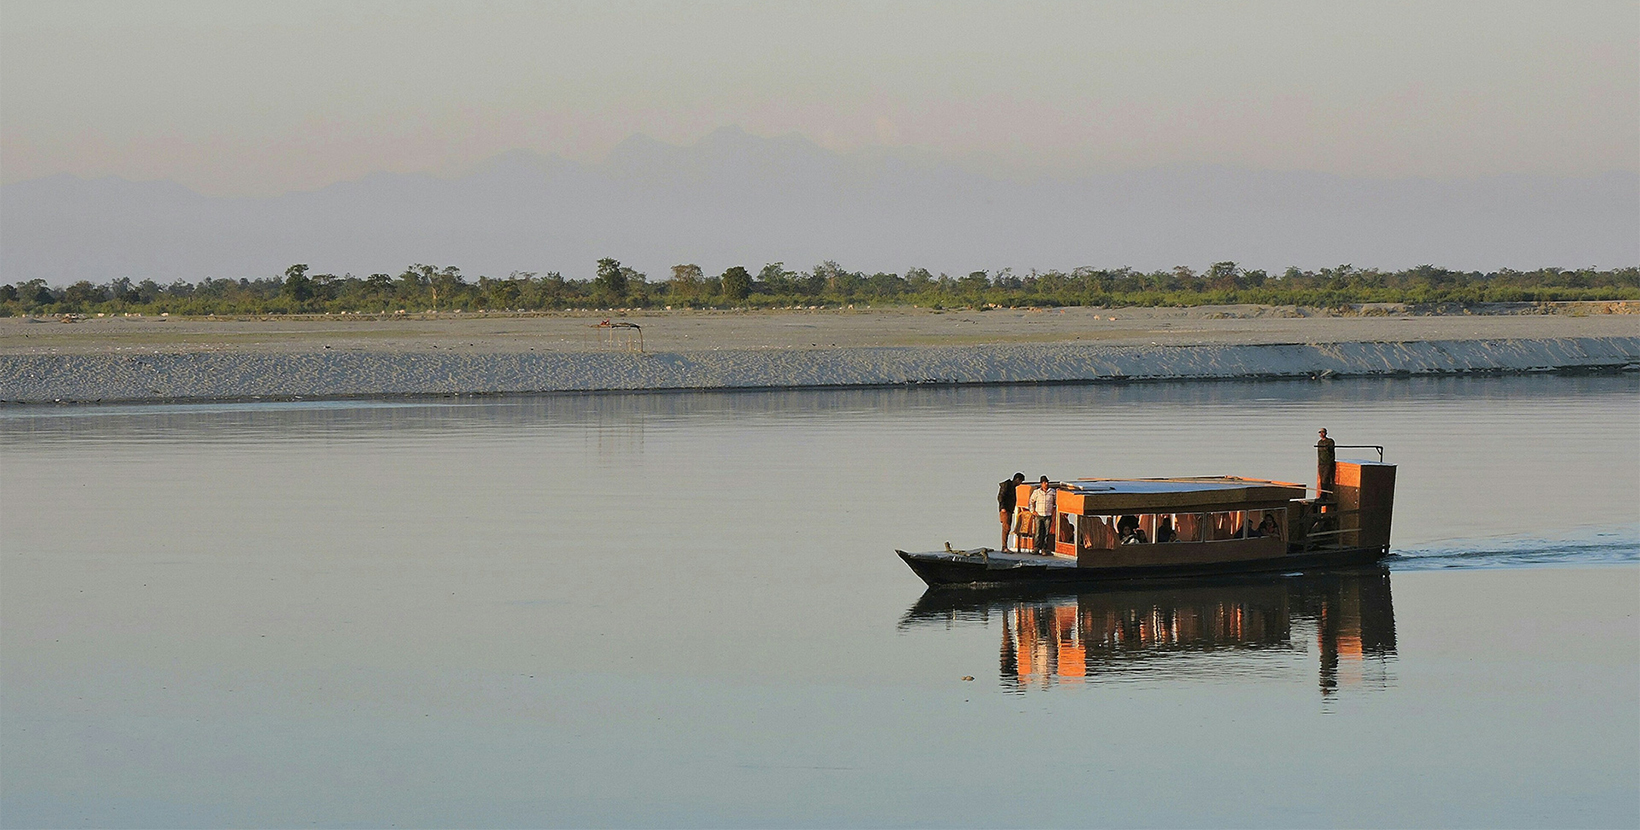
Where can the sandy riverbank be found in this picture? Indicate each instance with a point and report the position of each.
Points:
(687, 331)
(174, 359)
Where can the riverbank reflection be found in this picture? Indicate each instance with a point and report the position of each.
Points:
(1249, 627)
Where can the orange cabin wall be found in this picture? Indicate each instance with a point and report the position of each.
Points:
(1063, 501)
(1070, 502)
(1369, 488)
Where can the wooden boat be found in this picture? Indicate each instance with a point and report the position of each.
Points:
(1121, 529)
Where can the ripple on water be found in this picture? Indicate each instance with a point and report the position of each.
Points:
(1587, 546)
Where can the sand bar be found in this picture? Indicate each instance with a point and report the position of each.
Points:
(149, 358)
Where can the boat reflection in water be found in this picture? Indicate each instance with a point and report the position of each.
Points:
(1246, 627)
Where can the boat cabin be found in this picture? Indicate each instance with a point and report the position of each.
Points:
(1104, 528)
(1105, 522)
(1134, 522)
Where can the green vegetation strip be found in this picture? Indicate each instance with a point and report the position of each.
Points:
(425, 287)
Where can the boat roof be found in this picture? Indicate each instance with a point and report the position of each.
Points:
(1194, 484)
(1224, 492)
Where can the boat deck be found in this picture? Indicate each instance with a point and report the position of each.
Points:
(993, 558)
(982, 566)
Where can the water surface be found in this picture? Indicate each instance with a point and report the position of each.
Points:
(683, 609)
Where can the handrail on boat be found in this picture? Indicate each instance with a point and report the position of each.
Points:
(1362, 447)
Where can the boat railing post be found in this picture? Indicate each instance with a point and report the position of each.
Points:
(1362, 447)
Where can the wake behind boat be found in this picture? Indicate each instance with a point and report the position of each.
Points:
(1117, 529)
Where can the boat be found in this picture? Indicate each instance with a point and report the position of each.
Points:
(1106, 529)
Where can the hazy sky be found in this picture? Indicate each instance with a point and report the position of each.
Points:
(264, 98)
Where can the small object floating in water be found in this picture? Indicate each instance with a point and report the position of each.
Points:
(967, 677)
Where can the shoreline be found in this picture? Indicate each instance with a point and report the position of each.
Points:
(255, 375)
(706, 330)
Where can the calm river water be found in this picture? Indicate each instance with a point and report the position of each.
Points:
(684, 609)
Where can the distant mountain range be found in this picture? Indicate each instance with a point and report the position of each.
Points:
(737, 199)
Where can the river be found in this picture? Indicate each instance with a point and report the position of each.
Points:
(684, 609)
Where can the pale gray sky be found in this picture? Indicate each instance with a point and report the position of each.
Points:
(264, 98)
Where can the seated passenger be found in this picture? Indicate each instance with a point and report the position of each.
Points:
(1268, 527)
(1164, 530)
(1127, 528)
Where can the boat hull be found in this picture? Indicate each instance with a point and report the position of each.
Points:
(940, 568)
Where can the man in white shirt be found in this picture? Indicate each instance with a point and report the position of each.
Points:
(1042, 507)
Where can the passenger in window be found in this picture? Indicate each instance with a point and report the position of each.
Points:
(1127, 528)
(1268, 527)
(1164, 530)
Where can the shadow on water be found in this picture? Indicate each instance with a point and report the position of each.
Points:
(1220, 629)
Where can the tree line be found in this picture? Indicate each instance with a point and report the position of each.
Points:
(429, 288)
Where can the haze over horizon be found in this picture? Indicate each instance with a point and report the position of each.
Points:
(241, 137)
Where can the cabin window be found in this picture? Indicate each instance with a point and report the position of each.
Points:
(1167, 528)
(1066, 532)
(1095, 533)
(1111, 532)
(1130, 530)
(1224, 525)
(1189, 526)
(1164, 527)
(1267, 523)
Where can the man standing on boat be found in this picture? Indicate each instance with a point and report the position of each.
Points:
(1326, 464)
(1007, 501)
(1042, 508)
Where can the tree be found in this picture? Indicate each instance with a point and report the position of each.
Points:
(123, 291)
(975, 282)
(1221, 276)
(609, 287)
(550, 290)
(81, 294)
(415, 280)
(446, 282)
(325, 286)
(885, 286)
(737, 284)
(35, 293)
(297, 285)
(918, 279)
(686, 280)
(832, 277)
(637, 286)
